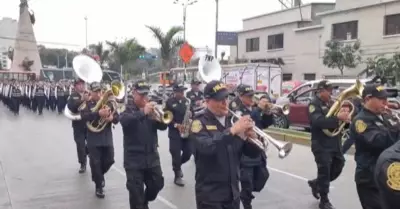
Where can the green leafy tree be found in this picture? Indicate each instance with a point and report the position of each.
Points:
(385, 66)
(169, 44)
(124, 52)
(99, 50)
(340, 55)
(56, 57)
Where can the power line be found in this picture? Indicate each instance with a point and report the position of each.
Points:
(39, 42)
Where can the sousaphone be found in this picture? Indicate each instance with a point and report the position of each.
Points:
(87, 69)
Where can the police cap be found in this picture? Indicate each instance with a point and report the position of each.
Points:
(375, 90)
(216, 90)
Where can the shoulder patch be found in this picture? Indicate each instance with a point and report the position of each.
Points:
(361, 126)
(393, 176)
(311, 108)
(196, 126)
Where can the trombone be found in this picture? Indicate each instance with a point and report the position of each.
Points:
(283, 148)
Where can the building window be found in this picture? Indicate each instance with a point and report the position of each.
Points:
(309, 76)
(392, 24)
(345, 31)
(275, 41)
(252, 44)
(287, 76)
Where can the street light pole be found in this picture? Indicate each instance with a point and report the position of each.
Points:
(185, 4)
(216, 27)
(86, 31)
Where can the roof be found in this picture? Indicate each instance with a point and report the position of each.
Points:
(285, 10)
(335, 11)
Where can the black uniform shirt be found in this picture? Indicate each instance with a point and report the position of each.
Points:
(318, 121)
(104, 137)
(237, 105)
(74, 103)
(372, 135)
(194, 97)
(217, 156)
(387, 176)
(178, 109)
(140, 138)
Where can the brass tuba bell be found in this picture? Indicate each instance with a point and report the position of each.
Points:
(116, 91)
(343, 99)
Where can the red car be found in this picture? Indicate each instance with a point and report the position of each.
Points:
(298, 107)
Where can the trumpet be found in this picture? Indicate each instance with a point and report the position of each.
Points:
(162, 116)
(285, 109)
(283, 148)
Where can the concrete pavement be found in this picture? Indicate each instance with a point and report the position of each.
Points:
(38, 170)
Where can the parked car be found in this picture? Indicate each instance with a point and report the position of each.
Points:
(299, 99)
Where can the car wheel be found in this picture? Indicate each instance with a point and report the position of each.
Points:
(281, 121)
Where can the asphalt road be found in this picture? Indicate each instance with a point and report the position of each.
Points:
(39, 171)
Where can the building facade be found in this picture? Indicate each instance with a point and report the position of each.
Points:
(298, 35)
(8, 31)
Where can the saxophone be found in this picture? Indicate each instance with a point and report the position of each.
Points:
(186, 121)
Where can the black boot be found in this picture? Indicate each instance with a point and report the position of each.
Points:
(325, 203)
(100, 193)
(82, 169)
(103, 183)
(314, 188)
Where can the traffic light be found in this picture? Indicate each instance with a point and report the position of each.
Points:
(141, 56)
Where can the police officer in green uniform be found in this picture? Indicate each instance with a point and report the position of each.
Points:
(218, 145)
(373, 132)
(387, 177)
(326, 149)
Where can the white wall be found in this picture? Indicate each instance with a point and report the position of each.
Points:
(304, 48)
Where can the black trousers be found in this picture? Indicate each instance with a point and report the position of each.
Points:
(40, 104)
(136, 179)
(101, 160)
(369, 196)
(234, 204)
(180, 150)
(329, 166)
(81, 147)
(60, 104)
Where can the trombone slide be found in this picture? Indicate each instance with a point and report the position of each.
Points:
(283, 148)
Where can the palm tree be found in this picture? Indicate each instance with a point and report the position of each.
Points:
(99, 50)
(123, 52)
(169, 43)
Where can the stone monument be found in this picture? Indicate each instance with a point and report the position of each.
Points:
(25, 53)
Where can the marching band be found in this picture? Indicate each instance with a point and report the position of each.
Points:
(224, 136)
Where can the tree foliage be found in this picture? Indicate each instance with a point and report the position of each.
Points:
(124, 54)
(341, 55)
(56, 57)
(169, 43)
(385, 66)
(100, 51)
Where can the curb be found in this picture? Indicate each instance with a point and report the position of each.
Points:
(296, 137)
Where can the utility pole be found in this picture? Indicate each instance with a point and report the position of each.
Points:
(216, 27)
(86, 31)
(185, 4)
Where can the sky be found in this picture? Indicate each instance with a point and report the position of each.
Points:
(63, 21)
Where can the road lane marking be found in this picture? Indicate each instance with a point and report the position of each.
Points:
(159, 197)
(291, 175)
